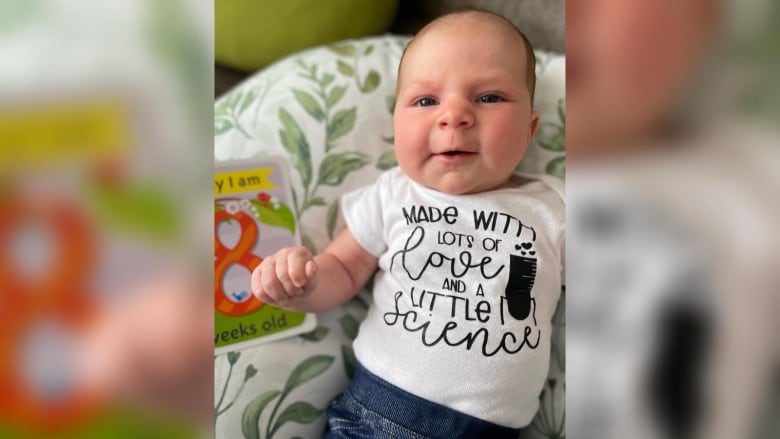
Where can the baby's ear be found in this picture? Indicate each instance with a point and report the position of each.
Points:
(533, 125)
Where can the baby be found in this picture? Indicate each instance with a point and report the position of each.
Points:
(469, 255)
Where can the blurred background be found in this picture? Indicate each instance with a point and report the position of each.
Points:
(672, 213)
(105, 221)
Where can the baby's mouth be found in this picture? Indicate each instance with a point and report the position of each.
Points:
(455, 153)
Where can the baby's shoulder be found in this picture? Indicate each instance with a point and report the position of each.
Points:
(538, 183)
(544, 190)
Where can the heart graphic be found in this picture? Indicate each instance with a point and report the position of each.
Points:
(526, 245)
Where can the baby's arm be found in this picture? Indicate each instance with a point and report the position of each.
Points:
(293, 280)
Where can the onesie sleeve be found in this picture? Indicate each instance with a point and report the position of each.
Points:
(362, 210)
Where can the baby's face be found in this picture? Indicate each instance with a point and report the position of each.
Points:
(463, 117)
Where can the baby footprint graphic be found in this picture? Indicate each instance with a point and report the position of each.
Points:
(522, 273)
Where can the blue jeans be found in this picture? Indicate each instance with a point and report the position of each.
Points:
(372, 408)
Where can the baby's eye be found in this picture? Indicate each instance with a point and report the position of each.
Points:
(490, 98)
(425, 102)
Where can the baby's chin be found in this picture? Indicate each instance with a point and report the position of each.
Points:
(450, 187)
(461, 182)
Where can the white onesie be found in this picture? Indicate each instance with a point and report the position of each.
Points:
(466, 288)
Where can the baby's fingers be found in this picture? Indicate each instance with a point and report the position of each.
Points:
(265, 283)
(297, 265)
(311, 268)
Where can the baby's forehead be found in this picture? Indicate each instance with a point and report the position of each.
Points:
(490, 33)
(493, 34)
(484, 25)
(488, 29)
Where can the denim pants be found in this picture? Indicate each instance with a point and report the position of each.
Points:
(372, 408)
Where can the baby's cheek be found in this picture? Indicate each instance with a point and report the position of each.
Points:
(410, 146)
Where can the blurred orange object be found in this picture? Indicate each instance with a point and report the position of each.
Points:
(60, 294)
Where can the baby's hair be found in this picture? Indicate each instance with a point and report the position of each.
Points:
(529, 51)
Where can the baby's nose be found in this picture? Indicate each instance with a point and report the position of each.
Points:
(456, 113)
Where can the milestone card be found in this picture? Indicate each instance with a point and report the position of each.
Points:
(252, 220)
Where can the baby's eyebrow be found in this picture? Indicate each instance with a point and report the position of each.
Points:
(424, 83)
(497, 77)
(500, 78)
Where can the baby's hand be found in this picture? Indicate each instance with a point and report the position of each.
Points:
(285, 277)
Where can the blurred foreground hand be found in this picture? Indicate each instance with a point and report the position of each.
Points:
(148, 349)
